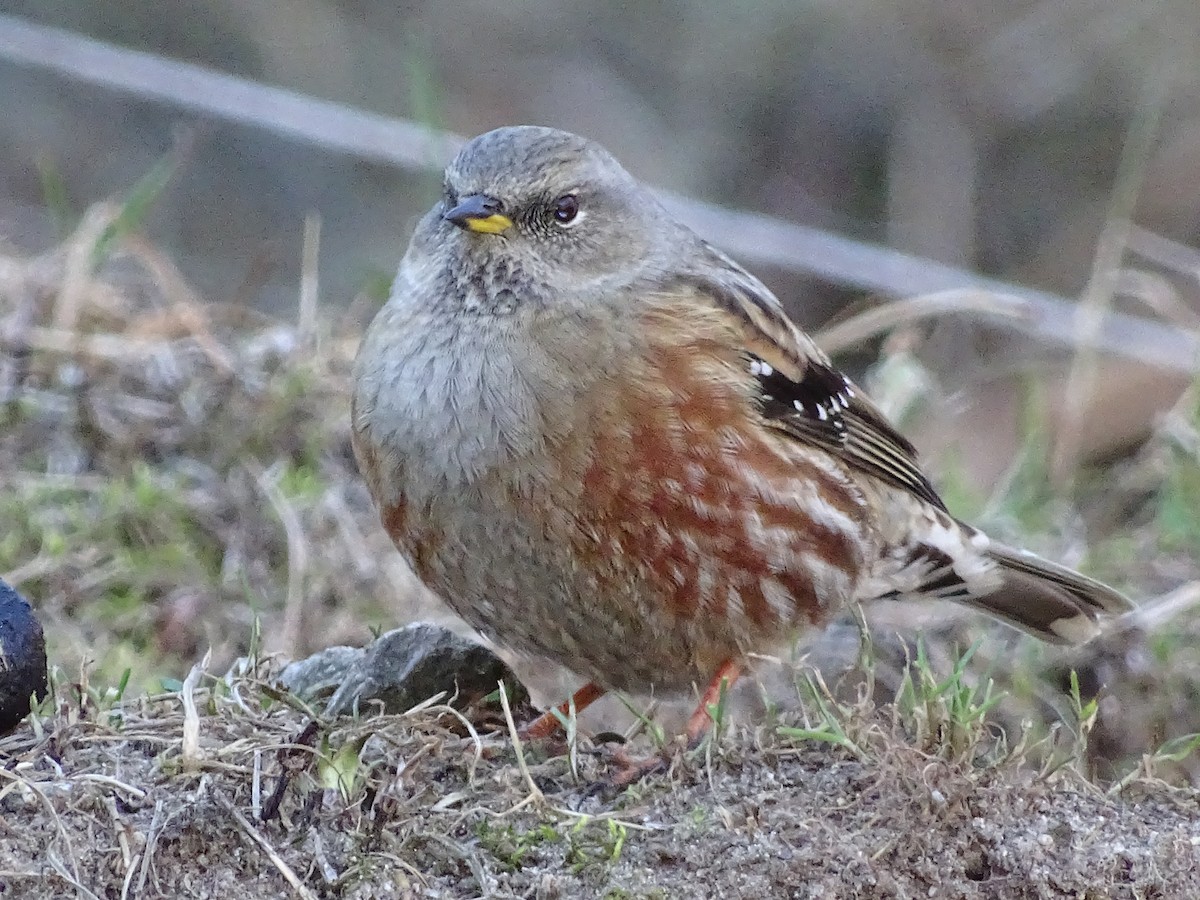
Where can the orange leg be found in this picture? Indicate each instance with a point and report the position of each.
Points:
(548, 722)
(701, 720)
(698, 724)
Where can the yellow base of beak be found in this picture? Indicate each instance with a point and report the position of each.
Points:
(493, 224)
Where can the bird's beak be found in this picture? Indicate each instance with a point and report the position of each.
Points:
(479, 213)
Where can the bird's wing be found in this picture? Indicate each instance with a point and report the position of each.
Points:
(801, 392)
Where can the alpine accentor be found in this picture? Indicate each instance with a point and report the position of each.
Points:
(602, 441)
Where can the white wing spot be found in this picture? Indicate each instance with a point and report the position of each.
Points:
(760, 368)
(1076, 629)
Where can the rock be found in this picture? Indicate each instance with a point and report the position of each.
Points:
(400, 668)
(22, 658)
(321, 674)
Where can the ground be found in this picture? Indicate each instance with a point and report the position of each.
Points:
(242, 797)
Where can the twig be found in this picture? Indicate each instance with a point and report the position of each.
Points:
(391, 141)
(535, 792)
(434, 703)
(152, 835)
(1157, 294)
(78, 267)
(251, 832)
(117, 347)
(306, 323)
(72, 879)
(130, 859)
(293, 613)
(202, 90)
(1154, 614)
(866, 325)
(134, 793)
(1164, 252)
(189, 750)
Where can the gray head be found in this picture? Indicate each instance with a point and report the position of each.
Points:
(545, 212)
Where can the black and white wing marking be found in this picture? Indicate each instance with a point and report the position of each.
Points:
(801, 393)
(824, 408)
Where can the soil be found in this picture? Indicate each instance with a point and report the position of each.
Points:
(240, 798)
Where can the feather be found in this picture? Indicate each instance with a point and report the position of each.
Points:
(801, 392)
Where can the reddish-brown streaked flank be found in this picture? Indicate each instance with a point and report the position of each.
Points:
(417, 549)
(705, 500)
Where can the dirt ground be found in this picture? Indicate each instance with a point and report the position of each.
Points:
(240, 798)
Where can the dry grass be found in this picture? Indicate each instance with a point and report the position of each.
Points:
(172, 473)
(226, 789)
(171, 470)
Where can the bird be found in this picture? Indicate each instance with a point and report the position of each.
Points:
(603, 443)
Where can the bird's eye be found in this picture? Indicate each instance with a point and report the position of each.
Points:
(566, 209)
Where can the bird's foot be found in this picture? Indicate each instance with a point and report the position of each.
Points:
(626, 768)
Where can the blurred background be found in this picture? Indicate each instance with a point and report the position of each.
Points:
(1012, 139)
(976, 133)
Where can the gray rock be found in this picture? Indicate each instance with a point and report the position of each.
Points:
(319, 675)
(400, 668)
(22, 658)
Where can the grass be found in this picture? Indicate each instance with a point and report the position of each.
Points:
(831, 716)
(133, 491)
(1179, 493)
(283, 803)
(946, 714)
(370, 793)
(509, 844)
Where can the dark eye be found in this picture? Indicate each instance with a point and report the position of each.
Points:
(566, 208)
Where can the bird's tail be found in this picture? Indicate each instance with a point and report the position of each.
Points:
(1047, 600)
(930, 555)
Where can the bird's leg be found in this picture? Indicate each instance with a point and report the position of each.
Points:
(550, 721)
(701, 719)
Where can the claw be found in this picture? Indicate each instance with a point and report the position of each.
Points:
(630, 771)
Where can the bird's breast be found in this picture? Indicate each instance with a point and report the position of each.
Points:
(440, 403)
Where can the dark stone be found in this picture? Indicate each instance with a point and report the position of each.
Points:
(22, 658)
(401, 669)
